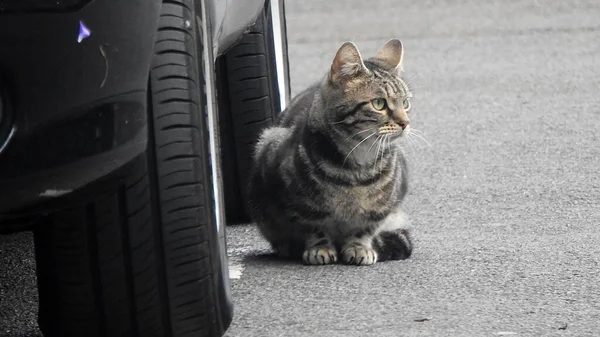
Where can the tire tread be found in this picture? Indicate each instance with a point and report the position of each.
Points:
(252, 104)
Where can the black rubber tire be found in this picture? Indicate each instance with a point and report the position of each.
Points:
(249, 102)
(144, 259)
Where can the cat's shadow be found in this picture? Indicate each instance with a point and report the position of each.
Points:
(263, 258)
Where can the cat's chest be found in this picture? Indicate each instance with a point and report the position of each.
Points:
(358, 198)
(357, 201)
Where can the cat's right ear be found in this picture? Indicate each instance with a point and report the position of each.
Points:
(391, 54)
(347, 64)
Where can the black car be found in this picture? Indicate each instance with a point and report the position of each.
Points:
(126, 129)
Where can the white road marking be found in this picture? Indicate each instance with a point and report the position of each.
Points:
(235, 271)
(236, 265)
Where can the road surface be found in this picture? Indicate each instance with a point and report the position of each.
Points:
(505, 200)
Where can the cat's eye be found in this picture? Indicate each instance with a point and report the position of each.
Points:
(379, 103)
(406, 104)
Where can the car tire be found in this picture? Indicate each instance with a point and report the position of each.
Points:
(147, 258)
(250, 97)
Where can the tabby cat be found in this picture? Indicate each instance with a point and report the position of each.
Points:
(328, 180)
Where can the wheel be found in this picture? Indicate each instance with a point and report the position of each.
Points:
(253, 87)
(146, 259)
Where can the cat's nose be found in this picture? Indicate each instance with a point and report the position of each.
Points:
(403, 124)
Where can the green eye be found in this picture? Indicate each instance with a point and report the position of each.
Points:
(406, 104)
(379, 103)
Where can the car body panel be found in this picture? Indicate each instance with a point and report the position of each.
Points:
(77, 107)
(41, 51)
(98, 88)
(230, 19)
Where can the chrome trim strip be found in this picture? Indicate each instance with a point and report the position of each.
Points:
(277, 27)
(213, 128)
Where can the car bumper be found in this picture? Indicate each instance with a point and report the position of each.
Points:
(72, 111)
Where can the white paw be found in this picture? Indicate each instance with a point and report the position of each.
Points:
(320, 255)
(359, 255)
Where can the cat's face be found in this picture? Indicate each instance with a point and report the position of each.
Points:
(368, 98)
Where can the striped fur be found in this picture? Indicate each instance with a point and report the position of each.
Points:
(328, 180)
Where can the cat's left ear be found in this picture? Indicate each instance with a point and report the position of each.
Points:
(391, 55)
(347, 65)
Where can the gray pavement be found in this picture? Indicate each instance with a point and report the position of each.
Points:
(18, 289)
(505, 202)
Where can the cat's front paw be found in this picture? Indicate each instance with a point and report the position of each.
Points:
(320, 255)
(359, 255)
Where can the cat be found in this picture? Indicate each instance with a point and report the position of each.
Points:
(328, 178)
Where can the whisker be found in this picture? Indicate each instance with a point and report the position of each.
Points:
(420, 135)
(390, 145)
(423, 139)
(417, 131)
(410, 80)
(375, 142)
(377, 153)
(358, 133)
(357, 145)
(410, 145)
(380, 157)
(385, 148)
(382, 151)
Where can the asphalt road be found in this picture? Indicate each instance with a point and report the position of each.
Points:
(505, 201)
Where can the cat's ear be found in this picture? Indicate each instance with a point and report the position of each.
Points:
(391, 54)
(347, 64)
